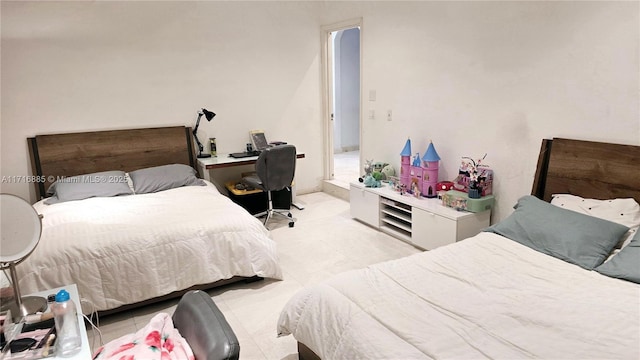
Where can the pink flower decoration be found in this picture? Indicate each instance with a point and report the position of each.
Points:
(165, 355)
(127, 357)
(153, 339)
(168, 344)
(122, 348)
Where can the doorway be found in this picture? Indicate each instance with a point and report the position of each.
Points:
(343, 103)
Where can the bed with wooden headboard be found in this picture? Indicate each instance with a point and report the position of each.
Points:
(55, 156)
(586, 168)
(492, 296)
(127, 250)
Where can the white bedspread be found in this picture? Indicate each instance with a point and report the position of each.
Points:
(125, 249)
(484, 297)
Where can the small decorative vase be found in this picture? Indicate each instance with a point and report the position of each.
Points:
(474, 191)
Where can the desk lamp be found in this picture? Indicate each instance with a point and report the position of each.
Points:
(208, 115)
(21, 229)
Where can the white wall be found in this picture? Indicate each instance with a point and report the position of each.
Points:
(474, 77)
(82, 66)
(497, 78)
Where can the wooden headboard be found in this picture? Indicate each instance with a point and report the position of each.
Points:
(588, 169)
(61, 155)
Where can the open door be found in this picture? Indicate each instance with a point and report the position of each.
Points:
(342, 100)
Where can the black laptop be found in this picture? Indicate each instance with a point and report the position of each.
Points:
(245, 154)
(259, 142)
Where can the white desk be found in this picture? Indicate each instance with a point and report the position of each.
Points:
(85, 350)
(225, 161)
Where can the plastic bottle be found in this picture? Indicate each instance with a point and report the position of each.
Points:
(214, 148)
(68, 340)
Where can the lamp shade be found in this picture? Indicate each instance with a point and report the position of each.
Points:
(208, 114)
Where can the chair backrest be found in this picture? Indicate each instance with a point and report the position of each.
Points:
(276, 167)
(205, 328)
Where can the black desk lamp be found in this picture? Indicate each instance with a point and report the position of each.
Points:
(209, 115)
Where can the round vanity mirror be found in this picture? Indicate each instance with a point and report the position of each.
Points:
(21, 227)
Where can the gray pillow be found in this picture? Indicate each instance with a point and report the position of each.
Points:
(626, 263)
(100, 184)
(164, 177)
(573, 237)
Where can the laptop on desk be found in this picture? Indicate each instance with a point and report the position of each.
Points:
(259, 142)
(245, 154)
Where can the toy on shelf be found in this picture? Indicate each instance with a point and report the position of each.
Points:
(368, 166)
(387, 172)
(396, 185)
(370, 181)
(463, 202)
(422, 172)
(381, 171)
(474, 178)
(405, 164)
(377, 167)
(393, 181)
(415, 190)
(415, 174)
(416, 160)
(442, 187)
(370, 178)
(430, 161)
(378, 171)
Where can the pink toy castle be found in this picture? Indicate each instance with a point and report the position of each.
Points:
(405, 165)
(420, 175)
(415, 175)
(430, 165)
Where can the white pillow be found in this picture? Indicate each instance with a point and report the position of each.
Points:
(621, 211)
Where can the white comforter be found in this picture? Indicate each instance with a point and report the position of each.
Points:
(484, 297)
(125, 249)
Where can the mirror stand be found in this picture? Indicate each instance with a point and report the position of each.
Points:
(22, 305)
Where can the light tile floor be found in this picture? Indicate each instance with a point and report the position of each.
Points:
(346, 167)
(325, 241)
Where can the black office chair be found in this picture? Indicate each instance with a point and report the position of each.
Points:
(205, 328)
(275, 169)
(202, 324)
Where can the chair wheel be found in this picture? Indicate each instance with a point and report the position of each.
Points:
(291, 224)
(289, 215)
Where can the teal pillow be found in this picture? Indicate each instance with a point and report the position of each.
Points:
(625, 264)
(567, 235)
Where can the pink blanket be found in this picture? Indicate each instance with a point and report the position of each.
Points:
(157, 340)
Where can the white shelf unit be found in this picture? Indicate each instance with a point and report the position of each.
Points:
(395, 218)
(425, 223)
(365, 206)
